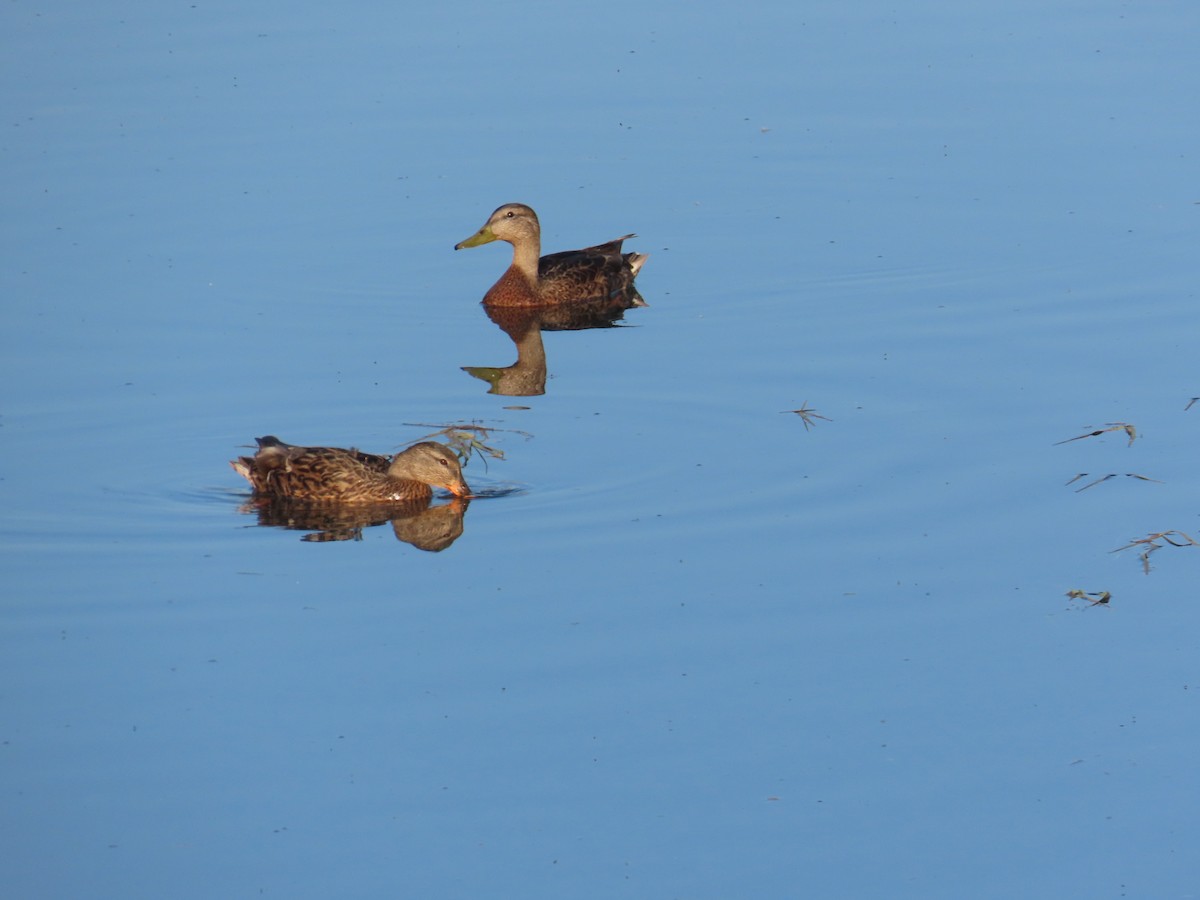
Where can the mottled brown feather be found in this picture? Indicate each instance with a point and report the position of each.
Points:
(335, 475)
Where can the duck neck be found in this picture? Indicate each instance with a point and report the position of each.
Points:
(525, 258)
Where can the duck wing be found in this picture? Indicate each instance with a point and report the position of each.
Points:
(587, 274)
(286, 470)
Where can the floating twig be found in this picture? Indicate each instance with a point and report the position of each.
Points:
(1094, 598)
(1190, 402)
(1106, 477)
(807, 415)
(1109, 426)
(468, 438)
(1173, 537)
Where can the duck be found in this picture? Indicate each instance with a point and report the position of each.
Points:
(601, 271)
(334, 475)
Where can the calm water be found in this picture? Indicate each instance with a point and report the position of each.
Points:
(685, 647)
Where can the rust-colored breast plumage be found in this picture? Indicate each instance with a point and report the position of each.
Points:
(513, 289)
(593, 273)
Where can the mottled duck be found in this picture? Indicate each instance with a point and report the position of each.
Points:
(334, 475)
(587, 274)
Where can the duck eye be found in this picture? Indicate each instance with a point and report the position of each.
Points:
(509, 214)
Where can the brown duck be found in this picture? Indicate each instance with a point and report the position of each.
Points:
(587, 274)
(334, 475)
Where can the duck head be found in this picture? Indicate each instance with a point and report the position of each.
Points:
(431, 463)
(512, 222)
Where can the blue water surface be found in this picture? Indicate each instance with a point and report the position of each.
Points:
(685, 646)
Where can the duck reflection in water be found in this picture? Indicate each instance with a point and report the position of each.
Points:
(603, 271)
(524, 326)
(425, 527)
(336, 492)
